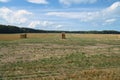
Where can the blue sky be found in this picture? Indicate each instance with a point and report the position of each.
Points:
(69, 15)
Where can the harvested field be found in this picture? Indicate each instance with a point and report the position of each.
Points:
(48, 57)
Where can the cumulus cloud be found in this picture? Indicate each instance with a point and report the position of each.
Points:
(13, 16)
(69, 2)
(38, 1)
(86, 16)
(21, 17)
(4, 1)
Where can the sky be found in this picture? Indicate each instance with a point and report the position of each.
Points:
(70, 15)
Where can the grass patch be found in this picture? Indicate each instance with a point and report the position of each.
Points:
(56, 66)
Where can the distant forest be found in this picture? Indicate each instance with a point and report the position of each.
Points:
(14, 29)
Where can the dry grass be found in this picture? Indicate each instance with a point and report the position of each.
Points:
(9, 36)
(97, 36)
(33, 35)
(58, 35)
(48, 57)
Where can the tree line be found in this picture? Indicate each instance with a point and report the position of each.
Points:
(14, 29)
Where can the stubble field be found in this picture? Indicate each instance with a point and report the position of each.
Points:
(48, 57)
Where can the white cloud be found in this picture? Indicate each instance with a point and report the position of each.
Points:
(4, 1)
(34, 24)
(69, 2)
(38, 1)
(59, 26)
(86, 16)
(83, 16)
(114, 6)
(110, 20)
(22, 17)
(13, 16)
